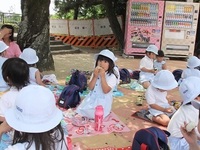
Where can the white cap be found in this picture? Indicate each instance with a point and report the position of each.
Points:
(3, 46)
(193, 62)
(34, 111)
(29, 55)
(164, 80)
(152, 48)
(189, 89)
(107, 53)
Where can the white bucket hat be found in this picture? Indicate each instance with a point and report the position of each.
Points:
(164, 80)
(106, 53)
(3, 46)
(152, 48)
(29, 55)
(193, 62)
(34, 111)
(189, 89)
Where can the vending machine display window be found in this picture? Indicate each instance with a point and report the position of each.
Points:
(179, 16)
(144, 14)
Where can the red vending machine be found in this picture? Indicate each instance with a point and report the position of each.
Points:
(179, 29)
(143, 25)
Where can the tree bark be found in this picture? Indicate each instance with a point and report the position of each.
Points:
(114, 24)
(34, 31)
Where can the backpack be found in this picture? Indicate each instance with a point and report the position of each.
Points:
(152, 138)
(125, 75)
(177, 74)
(69, 97)
(78, 78)
(136, 74)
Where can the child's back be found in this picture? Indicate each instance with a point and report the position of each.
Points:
(189, 90)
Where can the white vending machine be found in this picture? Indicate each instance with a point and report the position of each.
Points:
(179, 28)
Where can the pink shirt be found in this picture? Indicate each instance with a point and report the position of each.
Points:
(13, 50)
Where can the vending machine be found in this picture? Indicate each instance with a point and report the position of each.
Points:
(143, 25)
(179, 28)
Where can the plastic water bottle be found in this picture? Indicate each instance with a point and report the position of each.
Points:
(98, 120)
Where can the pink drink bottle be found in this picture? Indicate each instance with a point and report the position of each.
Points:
(98, 118)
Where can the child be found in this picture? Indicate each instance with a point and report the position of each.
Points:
(159, 63)
(3, 85)
(29, 55)
(159, 108)
(15, 72)
(189, 90)
(193, 64)
(147, 70)
(102, 83)
(36, 120)
(7, 35)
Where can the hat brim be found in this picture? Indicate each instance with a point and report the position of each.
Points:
(187, 100)
(170, 87)
(19, 125)
(33, 61)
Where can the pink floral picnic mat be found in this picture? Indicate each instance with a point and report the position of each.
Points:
(80, 127)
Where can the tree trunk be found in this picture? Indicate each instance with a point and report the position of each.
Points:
(114, 24)
(34, 31)
(76, 8)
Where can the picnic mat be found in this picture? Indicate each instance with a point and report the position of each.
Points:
(134, 85)
(141, 114)
(111, 148)
(110, 124)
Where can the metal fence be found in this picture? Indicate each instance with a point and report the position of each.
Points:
(10, 18)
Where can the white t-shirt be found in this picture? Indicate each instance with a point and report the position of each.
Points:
(8, 100)
(32, 72)
(154, 96)
(147, 63)
(3, 85)
(185, 113)
(22, 146)
(158, 65)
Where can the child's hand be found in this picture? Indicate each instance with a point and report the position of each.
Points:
(190, 137)
(168, 110)
(101, 71)
(5, 31)
(96, 71)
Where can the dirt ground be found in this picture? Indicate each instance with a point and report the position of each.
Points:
(85, 61)
(124, 106)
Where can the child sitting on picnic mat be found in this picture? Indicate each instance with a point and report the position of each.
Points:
(159, 107)
(147, 70)
(160, 63)
(36, 121)
(193, 64)
(102, 83)
(15, 72)
(189, 90)
(30, 56)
